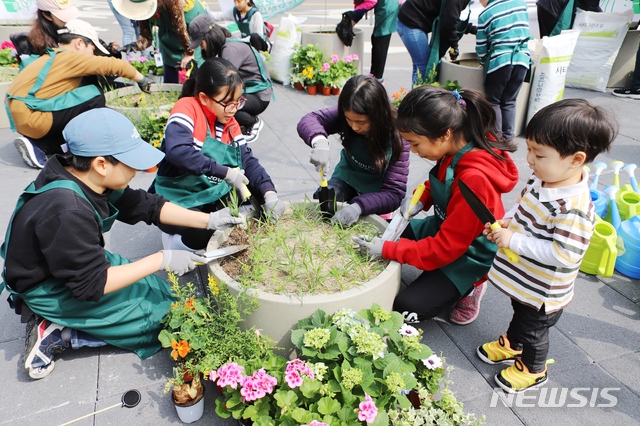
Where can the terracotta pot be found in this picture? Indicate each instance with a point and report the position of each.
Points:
(326, 90)
(335, 91)
(312, 90)
(299, 86)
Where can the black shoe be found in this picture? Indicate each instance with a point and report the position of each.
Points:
(253, 134)
(627, 92)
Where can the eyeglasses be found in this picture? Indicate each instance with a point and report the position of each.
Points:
(231, 106)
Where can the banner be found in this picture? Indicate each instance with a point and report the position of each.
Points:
(271, 8)
(17, 10)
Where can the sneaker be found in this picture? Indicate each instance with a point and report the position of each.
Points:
(468, 308)
(31, 154)
(498, 352)
(627, 92)
(43, 341)
(517, 378)
(252, 135)
(410, 317)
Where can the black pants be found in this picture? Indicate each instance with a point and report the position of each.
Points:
(169, 74)
(52, 142)
(379, 49)
(501, 89)
(529, 330)
(248, 115)
(429, 295)
(546, 21)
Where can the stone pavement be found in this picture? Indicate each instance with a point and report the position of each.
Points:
(596, 344)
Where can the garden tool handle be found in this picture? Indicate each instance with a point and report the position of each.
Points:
(417, 194)
(511, 255)
(323, 180)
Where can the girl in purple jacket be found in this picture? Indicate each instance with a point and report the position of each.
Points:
(371, 175)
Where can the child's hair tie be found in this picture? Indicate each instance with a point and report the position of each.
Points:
(459, 97)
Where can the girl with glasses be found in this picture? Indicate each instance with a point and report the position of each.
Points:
(206, 158)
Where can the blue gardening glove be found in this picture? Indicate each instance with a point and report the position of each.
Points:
(145, 84)
(404, 208)
(222, 219)
(371, 248)
(273, 206)
(238, 181)
(180, 261)
(347, 215)
(320, 154)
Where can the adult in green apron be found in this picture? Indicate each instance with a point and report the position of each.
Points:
(216, 42)
(386, 14)
(449, 245)
(371, 175)
(554, 16)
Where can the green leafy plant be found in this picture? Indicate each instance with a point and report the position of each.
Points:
(8, 55)
(429, 80)
(342, 69)
(306, 62)
(151, 127)
(147, 100)
(145, 66)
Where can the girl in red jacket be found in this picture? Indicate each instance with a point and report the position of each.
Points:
(454, 129)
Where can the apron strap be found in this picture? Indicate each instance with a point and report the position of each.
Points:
(448, 182)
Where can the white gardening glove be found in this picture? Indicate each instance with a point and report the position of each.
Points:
(237, 179)
(320, 154)
(273, 206)
(348, 215)
(371, 248)
(222, 219)
(404, 207)
(180, 261)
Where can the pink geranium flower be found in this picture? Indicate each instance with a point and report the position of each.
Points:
(7, 44)
(325, 67)
(334, 59)
(230, 375)
(367, 410)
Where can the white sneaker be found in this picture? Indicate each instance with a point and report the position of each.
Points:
(173, 242)
(27, 152)
(255, 131)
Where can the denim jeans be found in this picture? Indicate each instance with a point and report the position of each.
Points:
(128, 30)
(417, 43)
(80, 339)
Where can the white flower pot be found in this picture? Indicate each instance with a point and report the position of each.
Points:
(278, 314)
(4, 85)
(191, 413)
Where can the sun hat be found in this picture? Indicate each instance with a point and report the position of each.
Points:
(84, 29)
(103, 131)
(138, 10)
(64, 10)
(199, 26)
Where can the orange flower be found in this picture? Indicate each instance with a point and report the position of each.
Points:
(189, 304)
(180, 348)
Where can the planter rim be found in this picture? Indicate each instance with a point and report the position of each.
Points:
(390, 270)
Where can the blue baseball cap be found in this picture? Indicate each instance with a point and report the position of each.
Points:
(103, 131)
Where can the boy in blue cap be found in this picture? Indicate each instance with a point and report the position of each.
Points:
(56, 266)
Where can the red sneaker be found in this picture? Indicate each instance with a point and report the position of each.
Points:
(468, 308)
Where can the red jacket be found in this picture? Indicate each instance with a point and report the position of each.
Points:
(488, 177)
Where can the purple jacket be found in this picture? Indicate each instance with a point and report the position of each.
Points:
(394, 184)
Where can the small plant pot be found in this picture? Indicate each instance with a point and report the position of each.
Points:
(192, 411)
(326, 90)
(299, 86)
(335, 91)
(312, 90)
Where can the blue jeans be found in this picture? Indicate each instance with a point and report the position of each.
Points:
(80, 338)
(417, 43)
(130, 29)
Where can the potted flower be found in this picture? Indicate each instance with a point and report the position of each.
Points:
(203, 333)
(324, 78)
(151, 126)
(306, 61)
(342, 69)
(8, 70)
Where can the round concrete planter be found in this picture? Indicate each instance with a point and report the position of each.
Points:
(8, 27)
(5, 74)
(134, 112)
(328, 42)
(278, 314)
(469, 75)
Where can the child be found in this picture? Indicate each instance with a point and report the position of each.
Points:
(250, 64)
(501, 45)
(205, 153)
(549, 228)
(455, 130)
(374, 164)
(55, 262)
(250, 23)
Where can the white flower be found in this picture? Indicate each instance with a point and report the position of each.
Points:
(433, 362)
(406, 330)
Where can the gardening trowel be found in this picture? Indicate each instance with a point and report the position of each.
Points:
(326, 198)
(484, 214)
(221, 252)
(398, 223)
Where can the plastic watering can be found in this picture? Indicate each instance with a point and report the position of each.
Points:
(628, 202)
(599, 200)
(600, 257)
(629, 262)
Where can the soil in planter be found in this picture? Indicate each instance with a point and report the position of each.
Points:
(471, 63)
(145, 100)
(300, 255)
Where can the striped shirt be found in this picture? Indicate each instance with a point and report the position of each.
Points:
(503, 31)
(552, 228)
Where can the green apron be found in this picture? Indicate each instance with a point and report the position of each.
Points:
(255, 86)
(170, 46)
(63, 101)
(475, 263)
(189, 190)
(128, 318)
(434, 43)
(564, 20)
(386, 17)
(356, 167)
(485, 67)
(243, 23)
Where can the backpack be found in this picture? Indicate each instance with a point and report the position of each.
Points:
(344, 29)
